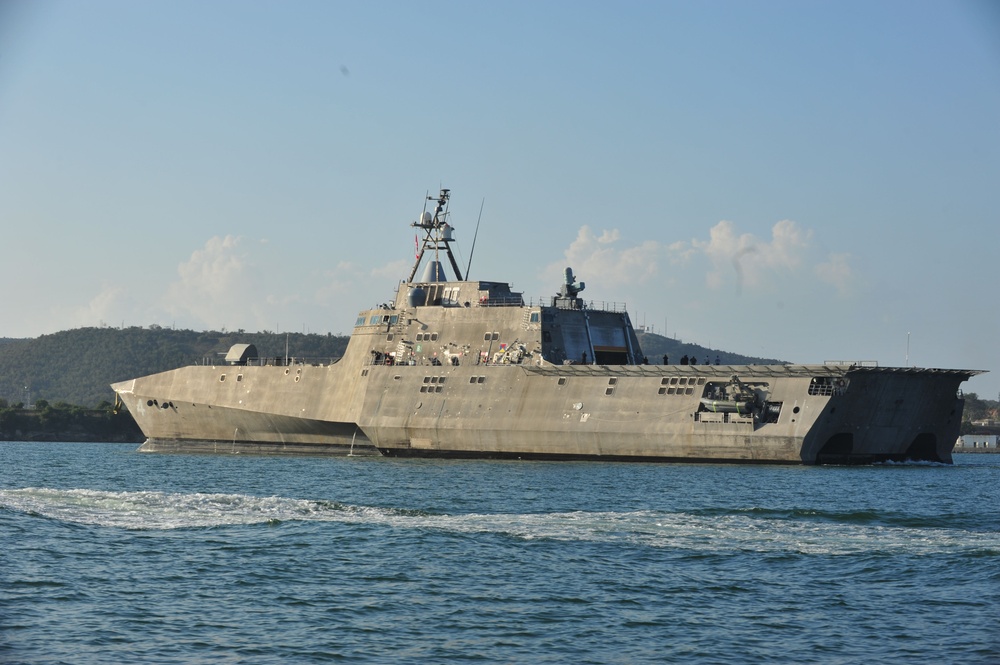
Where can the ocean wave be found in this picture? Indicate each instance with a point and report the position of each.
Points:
(716, 530)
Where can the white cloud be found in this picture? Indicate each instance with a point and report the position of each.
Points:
(216, 286)
(106, 308)
(599, 259)
(743, 258)
(837, 271)
(732, 259)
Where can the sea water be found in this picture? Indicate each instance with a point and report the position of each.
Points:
(108, 555)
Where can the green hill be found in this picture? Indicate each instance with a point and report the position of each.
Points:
(655, 346)
(77, 366)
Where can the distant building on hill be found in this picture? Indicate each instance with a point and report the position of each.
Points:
(977, 443)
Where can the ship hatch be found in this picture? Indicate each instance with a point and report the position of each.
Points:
(611, 355)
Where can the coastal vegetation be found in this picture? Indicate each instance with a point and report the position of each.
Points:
(65, 422)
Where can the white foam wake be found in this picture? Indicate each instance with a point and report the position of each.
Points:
(738, 531)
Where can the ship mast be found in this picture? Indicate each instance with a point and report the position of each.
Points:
(437, 234)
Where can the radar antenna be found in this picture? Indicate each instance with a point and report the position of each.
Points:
(437, 234)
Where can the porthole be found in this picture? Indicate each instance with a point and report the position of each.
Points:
(222, 378)
(662, 391)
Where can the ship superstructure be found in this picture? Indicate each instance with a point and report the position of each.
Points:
(468, 368)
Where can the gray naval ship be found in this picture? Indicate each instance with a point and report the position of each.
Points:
(465, 368)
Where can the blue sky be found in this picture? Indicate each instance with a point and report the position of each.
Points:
(803, 180)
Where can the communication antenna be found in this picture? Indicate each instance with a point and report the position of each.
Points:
(474, 236)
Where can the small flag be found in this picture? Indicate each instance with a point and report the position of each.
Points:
(416, 247)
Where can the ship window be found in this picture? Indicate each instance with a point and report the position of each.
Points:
(495, 336)
(609, 391)
(297, 377)
(472, 379)
(423, 389)
(683, 380)
(701, 380)
(374, 320)
(562, 380)
(437, 389)
(662, 391)
(389, 337)
(486, 337)
(673, 380)
(664, 381)
(689, 391)
(612, 381)
(534, 317)
(222, 378)
(434, 336)
(394, 319)
(427, 379)
(480, 379)
(434, 379)
(670, 391)
(441, 380)
(239, 377)
(360, 321)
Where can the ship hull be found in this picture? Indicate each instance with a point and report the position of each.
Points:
(611, 413)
